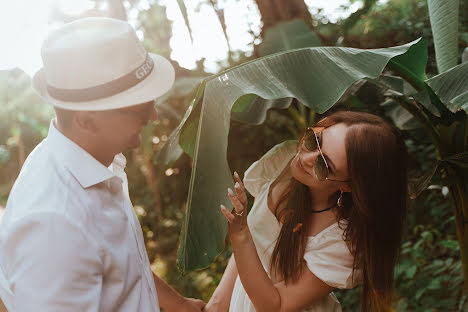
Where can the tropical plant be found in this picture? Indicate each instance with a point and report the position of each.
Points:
(24, 120)
(317, 77)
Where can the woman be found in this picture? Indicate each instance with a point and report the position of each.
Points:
(328, 213)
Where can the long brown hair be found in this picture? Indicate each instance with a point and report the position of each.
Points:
(372, 215)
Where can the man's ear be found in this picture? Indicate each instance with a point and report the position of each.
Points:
(86, 122)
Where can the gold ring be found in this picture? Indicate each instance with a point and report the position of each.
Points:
(239, 214)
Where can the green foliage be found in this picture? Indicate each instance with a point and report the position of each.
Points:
(287, 74)
(156, 29)
(393, 22)
(429, 274)
(24, 122)
(416, 77)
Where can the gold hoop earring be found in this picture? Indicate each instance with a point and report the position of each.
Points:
(340, 200)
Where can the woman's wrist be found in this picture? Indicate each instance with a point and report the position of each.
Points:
(241, 237)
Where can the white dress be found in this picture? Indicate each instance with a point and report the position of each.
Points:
(327, 255)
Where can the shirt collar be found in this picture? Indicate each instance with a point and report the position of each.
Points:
(84, 167)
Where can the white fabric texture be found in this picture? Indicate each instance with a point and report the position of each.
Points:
(327, 255)
(70, 239)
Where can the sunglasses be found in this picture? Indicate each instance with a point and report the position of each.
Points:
(311, 142)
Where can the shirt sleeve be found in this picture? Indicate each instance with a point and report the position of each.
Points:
(269, 166)
(52, 265)
(328, 258)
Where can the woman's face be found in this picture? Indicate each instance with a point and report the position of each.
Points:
(332, 144)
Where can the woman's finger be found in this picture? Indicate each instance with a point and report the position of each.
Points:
(238, 206)
(240, 190)
(229, 216)
(237, 178)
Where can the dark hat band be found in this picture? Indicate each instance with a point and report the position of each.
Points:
(107, 89)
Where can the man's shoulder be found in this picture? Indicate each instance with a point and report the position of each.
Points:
(40, 172)
(40, 160)
(44, 184)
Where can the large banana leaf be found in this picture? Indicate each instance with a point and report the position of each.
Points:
(452, 87)
(317, 77)
(444, 22)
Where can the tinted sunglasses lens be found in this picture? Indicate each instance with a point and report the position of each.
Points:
(320, 169)
(309, 141)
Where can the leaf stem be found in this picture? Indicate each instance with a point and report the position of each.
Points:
(418, 112)
(419, 84)
(408, 75)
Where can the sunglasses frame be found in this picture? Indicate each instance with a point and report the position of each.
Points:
(304, 137)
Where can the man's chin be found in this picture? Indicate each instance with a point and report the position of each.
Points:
(134, 143)
(137, 141)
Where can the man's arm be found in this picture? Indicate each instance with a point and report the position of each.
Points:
(171, 300)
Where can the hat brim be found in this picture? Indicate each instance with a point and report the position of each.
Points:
(156, 84)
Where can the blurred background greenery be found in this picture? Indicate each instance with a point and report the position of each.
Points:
(429, 275)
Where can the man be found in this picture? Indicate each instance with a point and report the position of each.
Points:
(69, 238)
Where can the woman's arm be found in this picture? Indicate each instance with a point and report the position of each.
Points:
(264, 295)
(267, 296)
(221, 297)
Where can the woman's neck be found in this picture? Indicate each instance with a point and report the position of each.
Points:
(322, 200)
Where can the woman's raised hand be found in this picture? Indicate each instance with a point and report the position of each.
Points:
(238, 217)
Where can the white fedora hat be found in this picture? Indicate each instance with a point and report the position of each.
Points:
(99, 64)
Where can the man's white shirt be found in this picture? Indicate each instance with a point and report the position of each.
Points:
(69, 237)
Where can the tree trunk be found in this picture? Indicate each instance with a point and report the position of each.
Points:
(276, 11)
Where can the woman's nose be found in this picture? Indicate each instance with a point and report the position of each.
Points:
(309, 158)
